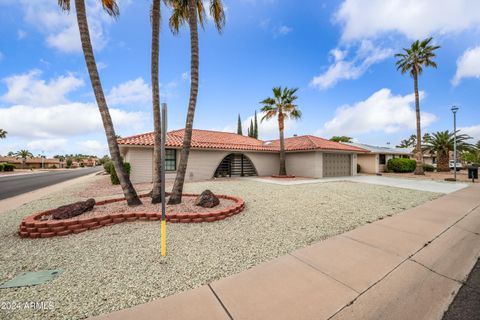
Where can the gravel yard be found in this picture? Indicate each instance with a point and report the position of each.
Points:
(120, 266)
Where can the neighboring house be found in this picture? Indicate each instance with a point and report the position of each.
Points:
(376, 160)
(33, 163)
(221, 154)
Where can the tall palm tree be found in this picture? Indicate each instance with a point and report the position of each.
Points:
(111, 8)
(157, 159)
(282, 106)
(412, 60)
(442, 143)
(191, 12)
(24, 155)
(3, 134)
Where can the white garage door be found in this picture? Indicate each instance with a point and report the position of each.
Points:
(337, 165)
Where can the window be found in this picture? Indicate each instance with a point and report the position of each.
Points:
(382, 159)
(170, 160)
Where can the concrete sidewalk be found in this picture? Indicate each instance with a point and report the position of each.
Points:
(408, 266)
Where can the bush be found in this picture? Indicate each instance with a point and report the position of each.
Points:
(113, 173)
(358, 168)
(8, 167)
(108, 166)
(1, 166)
(401, 165)
(69, 163)
(428, 168)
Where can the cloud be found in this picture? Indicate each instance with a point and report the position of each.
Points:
(473, 131)
(468, 65)
(60, 28)
(21, 34)
(341, 69)
(281, 31)
(48, 145)
(40, 108)
(92, 147)
(132, 92)
(412, 18)
(277, 30)
(268, 129)
(381, 112)
(29, 89)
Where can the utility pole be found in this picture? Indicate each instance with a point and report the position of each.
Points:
(163, 223)
(454, 110)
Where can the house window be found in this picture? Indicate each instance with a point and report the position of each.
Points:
(382, 159)
(170, 160)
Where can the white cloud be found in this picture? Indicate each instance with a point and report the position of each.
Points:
(468, 65)
(341, 69)
(29, 89)
(132, 92)
(92, 147)
(21, 34)
(473, 131)
(62, 120)
(414, 19)
(48, 145)
(268, 129)
(281, 31)
(381, 112)
(40, 109)
(61, 29)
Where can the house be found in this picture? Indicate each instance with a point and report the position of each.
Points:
(33, 163)
(221, 154)
(376, 160)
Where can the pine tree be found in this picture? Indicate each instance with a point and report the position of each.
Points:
(255, 127)
(239, 126)
(251, 129)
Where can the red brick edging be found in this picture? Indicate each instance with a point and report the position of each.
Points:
(33, 227)
(282, 177)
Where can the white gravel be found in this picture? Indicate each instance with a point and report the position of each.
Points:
(120, 266)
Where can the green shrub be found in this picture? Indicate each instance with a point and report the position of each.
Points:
(358, 168)
(69, 162)
(401, 165)
(1, 166)
(108, 166)
(113, 173)
(8, 167)
(428, 167)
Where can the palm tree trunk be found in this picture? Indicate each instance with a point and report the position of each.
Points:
(442, 164)
(157, 159)
(419, 153)
(283, 169)
(127, 187)
(176, 196)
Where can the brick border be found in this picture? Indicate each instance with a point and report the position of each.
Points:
(33, 227)
(276, 176)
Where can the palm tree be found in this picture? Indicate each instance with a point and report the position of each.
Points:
(157, 159)
(412, 60)
(191, 12)
(283, 107)
(24, 155)
(442, 143)
(3, 134)
(111, 8)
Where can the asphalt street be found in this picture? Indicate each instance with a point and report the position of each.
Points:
(14, 185)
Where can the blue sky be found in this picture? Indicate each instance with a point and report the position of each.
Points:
(338, 53)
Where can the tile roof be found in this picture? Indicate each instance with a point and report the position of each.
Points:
(206, 139)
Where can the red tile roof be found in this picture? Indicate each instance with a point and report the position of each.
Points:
(206, 139)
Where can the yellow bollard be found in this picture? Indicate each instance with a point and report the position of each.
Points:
(164, 238)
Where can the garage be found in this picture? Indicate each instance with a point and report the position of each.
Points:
(337, 165)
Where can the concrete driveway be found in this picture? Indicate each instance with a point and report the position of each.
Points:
(414, 184)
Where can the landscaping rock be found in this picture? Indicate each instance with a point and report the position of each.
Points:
(74, 209)
(207, 200)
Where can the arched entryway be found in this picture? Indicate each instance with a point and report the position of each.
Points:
(235, 165)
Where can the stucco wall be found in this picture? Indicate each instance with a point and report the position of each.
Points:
(304, 164)
(201, 163)
(368, 163)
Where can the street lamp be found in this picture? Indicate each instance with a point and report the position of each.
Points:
(454, 110)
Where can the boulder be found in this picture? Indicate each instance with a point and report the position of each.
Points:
(207, 200)
(73, 210)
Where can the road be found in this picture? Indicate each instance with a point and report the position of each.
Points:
(14, 185)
